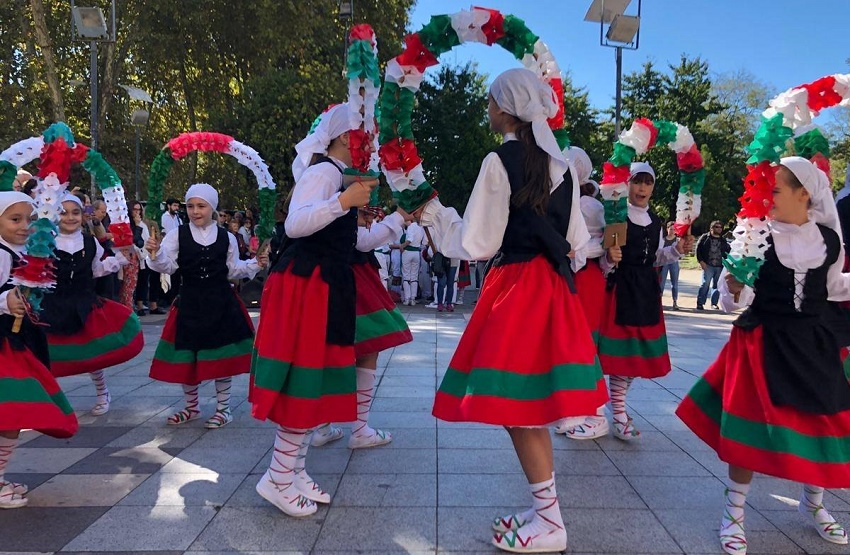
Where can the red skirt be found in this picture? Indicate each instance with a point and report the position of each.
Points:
(526, 357)
(632, 351)
(188, 367)
(730, 409)
(380, 325)
(298, 380)
(590, 286)
(464, 279)
(30, 398)
(112, 335)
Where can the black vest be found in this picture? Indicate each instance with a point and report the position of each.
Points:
(209, 314)
(529, 234)
(802, 362)
(30, 336)
(331, 249)
(637, 290)
(68, 306)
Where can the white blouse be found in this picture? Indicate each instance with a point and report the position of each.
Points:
(664, 255)
(478, 235)
(73, 243)
(799, 248)
(594, 218)
(6, 271)
(379, 233)
(165, 261)
(315, 200)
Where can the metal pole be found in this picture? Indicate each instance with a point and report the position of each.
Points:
(93, 75)
(138, 140)
(619, 105)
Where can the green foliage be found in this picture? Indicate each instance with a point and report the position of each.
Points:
(452, 131)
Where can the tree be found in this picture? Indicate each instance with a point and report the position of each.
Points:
(582, 121)
(452, 131)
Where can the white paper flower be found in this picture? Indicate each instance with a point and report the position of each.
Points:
(842, 87)
(684, 140)
(793, 105)
(467, 24)
(404, 76)
(614, 191)
(251, 159)
(23, 152)
(637, 136)
(542, 62)
(401, 181)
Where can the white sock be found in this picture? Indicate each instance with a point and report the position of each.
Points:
(405, 288)
(414, 288)
(222, 393)
(7, 447)
(546, 529)
(812, 503)
(100, 385)
(287, 445)
(365, 391)
(190, 394)
(619, 386)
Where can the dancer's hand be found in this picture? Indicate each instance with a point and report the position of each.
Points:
(685, 244)
(615, 254)
(357, 194)
(152, 246)
(263, 259)
(735, 287)
(17, 306)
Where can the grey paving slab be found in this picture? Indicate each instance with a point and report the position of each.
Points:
(773, 494)
(193, 460)
(477, 490)
(400, 404)
(679, 492)
(56, 527)
(386, 490)
(800, 530)
(31, 480)
(157, 436)
(84, 490)
(626, 530)
(403, 419)
(655, 440)
(597, 492)
(347, 529)
(259, 529)
(392, 461)
(656, 463)
(130, 460)
(85, 437)
(584, 463)
(52, 460)
(464, 530)
(478, 461)
(184, 490)
(487, 438)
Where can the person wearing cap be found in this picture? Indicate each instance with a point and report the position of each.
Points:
(590, 281)
(776, 400)
(86, 333)
(527, 359)
(31, 398)
(208, 334)
(304, 371)
(632, 335)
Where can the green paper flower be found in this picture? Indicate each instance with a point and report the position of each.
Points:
(265, 228)
(160, 167)
(57, 130)
(518, 39)
(362, 63)
(104, 175)
(8, 172)
(744, 269)
(410, 200)
(623, 155)
(616, 211)
(562, 137)
(692, 182)
(666, 131)
(769, 142)
(315, 124)
(438, 35)
(396, 107)
(810, 143)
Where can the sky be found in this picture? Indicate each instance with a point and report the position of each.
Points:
(783, 43)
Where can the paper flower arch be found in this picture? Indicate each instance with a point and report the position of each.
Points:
(789, 116)
(56, 151)
(186, 143)
(403, 77)
(636, 141)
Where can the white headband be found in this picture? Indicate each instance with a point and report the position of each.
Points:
(816, 182)
(334, 123)
(641, 167)
(69, 197)
(205, 192)
(8, 198)
(521, 93)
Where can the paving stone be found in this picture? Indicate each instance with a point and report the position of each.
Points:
(84, 490)
(649, 440)
(625, 531)
(402, 419)
(476, 490)
(478, 461)
(411, 529)
(386, 490)
(655, 463)
(679, 492)
(131, 460)
(801, 531)
(490, 438)
(193, 460)
(597, 492)
(184, 490)
(259, 529)
(392, 461)
(46, 460)
(31, 480)
(85, 437)
(158, 436)
(56, 527)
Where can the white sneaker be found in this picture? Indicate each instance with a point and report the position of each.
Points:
(431, 305)
(289, 499)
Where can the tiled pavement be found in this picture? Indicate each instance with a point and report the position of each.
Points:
(128, 483)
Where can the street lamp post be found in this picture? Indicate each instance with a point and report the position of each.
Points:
(346, 14)
(139, 119)
(89, 25)
(623, 33)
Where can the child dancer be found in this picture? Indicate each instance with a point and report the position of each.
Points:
(303, 373)
(776, 400)
(590, 281)
(526, 359)
(86, 333)
(208, 334)
(632, 336)
(31, 398)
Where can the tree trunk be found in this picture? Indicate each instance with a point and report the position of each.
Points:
(43, 38)
(190, 107)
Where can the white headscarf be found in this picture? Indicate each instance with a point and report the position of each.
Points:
(580, 162)
(334, 123)
(521, 93)
(70, 197)
(205, 192)
(641, 167)
(8, 198)
(816, 182)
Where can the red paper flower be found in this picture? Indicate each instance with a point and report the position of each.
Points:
(36, 270)
(122, 235)
(757, 199)
(494, 29)
(363, 31)
(689, 161)
(399, 155)
(56, 158)
(681, 229)
(415, 54)
(822, 93)
(557, 121)
(612, 174)
(79, 153)
(360, 146)
(822, 162)
(652, 130)
(198, 140)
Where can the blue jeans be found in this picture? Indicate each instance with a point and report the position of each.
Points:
(711, 275)
(673, 270)
(446, 286)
